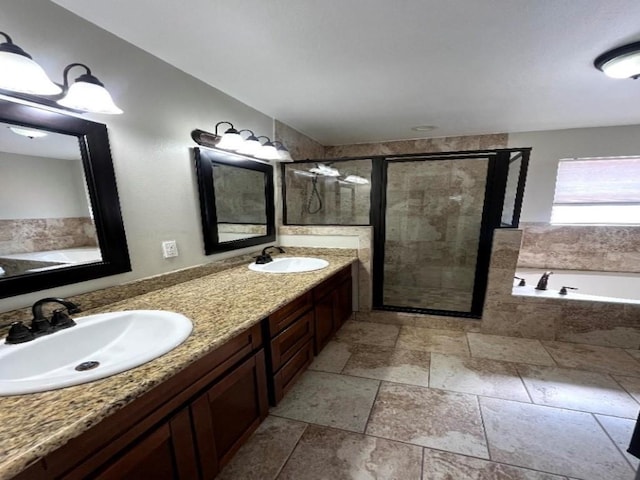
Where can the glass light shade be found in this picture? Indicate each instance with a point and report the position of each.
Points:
(268, 152)
(89, 97)
(28, 132)
(231, 140)
(250, 147)
(357, 179)
(284, 155)
(21, 74)
(624, 66)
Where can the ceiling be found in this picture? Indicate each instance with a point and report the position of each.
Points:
(53, 145)
(351, 71)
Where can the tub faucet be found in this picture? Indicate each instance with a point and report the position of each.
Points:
(542, 283)
(264, 257)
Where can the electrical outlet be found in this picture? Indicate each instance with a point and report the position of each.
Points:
(169, 249)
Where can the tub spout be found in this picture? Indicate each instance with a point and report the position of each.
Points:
(542, 283)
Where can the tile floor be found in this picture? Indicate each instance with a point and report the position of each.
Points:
(390, 402)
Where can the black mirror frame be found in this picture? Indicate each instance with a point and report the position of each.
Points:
(204, 160)
(101, 185)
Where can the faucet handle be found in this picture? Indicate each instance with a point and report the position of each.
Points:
(522, 282)
(563, 290)
(18, 333)
(61, 320)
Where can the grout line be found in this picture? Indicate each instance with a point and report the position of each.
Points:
(524, 384)
(613, 441)
(624, 389)
(284, 464)
(373, 404)
(484, 428)
(422, 464)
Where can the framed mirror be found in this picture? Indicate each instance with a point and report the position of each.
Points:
(60, 219)
(236, 201)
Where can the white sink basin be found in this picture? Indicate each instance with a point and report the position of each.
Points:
(119, 341)
(290, 265)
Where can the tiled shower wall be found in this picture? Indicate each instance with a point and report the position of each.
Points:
(433, 221)
(577, 247)
(43, 234)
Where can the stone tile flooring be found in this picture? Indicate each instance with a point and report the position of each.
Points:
(388, 402)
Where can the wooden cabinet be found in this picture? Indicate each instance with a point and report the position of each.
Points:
(187, 427)
(290, 331)
(303, 327)
(332, 306)
(225, 415)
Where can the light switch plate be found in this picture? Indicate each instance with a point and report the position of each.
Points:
(169, 249)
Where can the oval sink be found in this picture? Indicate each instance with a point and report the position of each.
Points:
(290, 265)
(117, 341)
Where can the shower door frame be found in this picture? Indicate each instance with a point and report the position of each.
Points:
(495, 186)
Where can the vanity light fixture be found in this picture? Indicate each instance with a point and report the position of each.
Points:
(21, 76)
(268, 151)
(620, 62)
(230, 139)
(87, 93)
(250, 148)
(356, 179)
(283, 152)
(251, 144)
(19, 73)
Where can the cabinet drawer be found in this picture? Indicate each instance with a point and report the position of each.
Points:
(331, 283)
(288, 314)
(288, 342)
(289, 373)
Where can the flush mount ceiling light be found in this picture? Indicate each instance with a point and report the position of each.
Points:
(621, 62)
(231, 141)
(23, 78)
(28, 132)
(325, 170)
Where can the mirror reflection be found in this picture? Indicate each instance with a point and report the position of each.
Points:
(240, 202)
(46, 222)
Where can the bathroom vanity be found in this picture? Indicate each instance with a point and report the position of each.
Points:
(186, 413)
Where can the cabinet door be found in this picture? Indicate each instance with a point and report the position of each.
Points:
(325, 326)
(228, 413)
(344, 303)
(166, 453)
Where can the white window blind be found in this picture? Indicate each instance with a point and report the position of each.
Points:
(597, 191)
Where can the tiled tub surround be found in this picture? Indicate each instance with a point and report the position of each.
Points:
(42, 234)
(220, 305)
(580, 247)
(566, 319)
(436, 404)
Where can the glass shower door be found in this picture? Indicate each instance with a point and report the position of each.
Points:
(432, 232)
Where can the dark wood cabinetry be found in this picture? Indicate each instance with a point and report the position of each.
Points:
(187, 427)
(333, 306)
(190, 426)
(290, 348)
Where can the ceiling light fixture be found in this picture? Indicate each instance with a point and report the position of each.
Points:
(231, 141)
(28, 132)
(325, 170)
(621, 62)
(23, 78)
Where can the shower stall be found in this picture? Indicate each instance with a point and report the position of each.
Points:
(433, 217)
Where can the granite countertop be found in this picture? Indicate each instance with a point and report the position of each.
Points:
(220, 305)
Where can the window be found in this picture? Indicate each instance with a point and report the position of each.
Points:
(595, 191)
